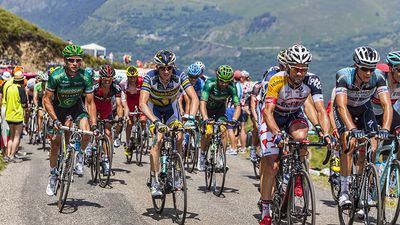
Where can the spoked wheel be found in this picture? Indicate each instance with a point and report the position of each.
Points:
(179, 194)
(130, 151)
(371, 196)
(301, 202)
(31, 130)
(139, 151)
(95, 163)
(44, 133)
(65, 180)
(105, 151)
(219, 170)
(256, 168)
(60, 165)
(159, 201)
(191, 154)
(391, 194)
(208, 171)
(276, 209)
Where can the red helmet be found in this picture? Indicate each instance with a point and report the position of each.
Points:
(383, 66)
(106, 71)
(237, 75)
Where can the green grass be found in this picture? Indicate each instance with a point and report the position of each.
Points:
(2, 163)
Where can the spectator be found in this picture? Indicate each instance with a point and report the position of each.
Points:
(232, 150)
(15, 101)
(4, 126)
(245, 105)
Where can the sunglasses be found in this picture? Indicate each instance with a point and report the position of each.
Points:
(224, 81)
(396, 68)
(107, 78)
(74, 60)
(192, 77)
(366, 69)
(165, 68)
(297, 69)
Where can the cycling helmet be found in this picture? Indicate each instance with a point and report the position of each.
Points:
(298, 54)
(393, 58)
(96, 77)
(194, 70)
(106, 71)
(72, 50)
(30, 84)
(164, 58)
(118, 78)
(132, 71)
(366, 56)
(201, 65)
(245, 73)
(42, 76)
(225, 73)
(282, 57)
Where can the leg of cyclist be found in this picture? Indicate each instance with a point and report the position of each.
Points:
(40, 121)
(128, 131)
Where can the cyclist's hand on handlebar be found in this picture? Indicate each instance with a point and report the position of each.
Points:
(233, 123)
(160, 126)
(335, 133)
(357, 133)
(95, 130)
(278, 139)
(56, 125)
(318, 130)
(383, 134)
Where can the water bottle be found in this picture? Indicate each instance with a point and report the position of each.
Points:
(78, 147)
(164, 163)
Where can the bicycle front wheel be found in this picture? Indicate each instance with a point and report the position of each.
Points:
(105, 151)
(220, 170)
(370, 196)
(66, 178)
(191, 153)
(179, 194)
(139, 151)
(301, 202)
(391, 194)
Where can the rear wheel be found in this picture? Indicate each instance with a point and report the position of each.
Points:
(191, 153)
(179, 194)
(301, 202)
(391, 194)
(105, 152)
(66, 178)
(208, 170)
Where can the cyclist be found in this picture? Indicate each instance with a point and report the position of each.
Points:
(193, 72)
(393, 82)
(38, 93)
(213, 103)
(30, 85)
(158, 100)
(103, 94)
(286, 93)
(355, 87)
(132, 95)
(62, 99)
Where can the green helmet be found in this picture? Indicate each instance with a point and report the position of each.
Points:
(225, 73)
(72, 50)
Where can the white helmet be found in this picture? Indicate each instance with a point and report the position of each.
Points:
(282, 57)
(42, 76)
(366, 56)
(298, 54)
(30, 84)
(201, 65)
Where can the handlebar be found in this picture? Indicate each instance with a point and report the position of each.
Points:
(76, 130)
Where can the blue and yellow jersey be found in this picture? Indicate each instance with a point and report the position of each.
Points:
(163, 95)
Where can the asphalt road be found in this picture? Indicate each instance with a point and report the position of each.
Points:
(23, 199)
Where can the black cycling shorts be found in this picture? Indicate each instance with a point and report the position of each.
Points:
(77, 112)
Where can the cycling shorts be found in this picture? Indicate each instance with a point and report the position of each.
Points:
(217, 114)
(284, 123)
(77, 112)
(363, 117)
(169, 114)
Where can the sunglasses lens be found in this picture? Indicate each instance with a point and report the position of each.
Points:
(74, 60)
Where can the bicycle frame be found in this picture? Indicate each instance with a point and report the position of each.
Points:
(385, 175)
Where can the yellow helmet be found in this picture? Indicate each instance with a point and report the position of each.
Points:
(132, 71)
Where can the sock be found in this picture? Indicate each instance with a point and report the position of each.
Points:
(53, 170)
(266, 208)
(344, 184)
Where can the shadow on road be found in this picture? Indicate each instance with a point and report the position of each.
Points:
(72, 205)
(251, 177)
(168, 213)
(120, 170)
(330, 203)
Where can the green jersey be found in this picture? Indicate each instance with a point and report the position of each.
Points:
(39, 89)
(216, 97)
(69, 90)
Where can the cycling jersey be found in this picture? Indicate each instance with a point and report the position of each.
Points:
(40, 90)
(394, 96)
(357, 96)
(104, 102)
(216, 97)
(198, 87)
(69, 90)
(163, 95)
(287, 99)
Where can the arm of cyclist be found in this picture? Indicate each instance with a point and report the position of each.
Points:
(143, 99)
(253, 106)
(203, 110)
(194, 100)
(48, 95)
(387, 110)
(323, 119)
(35, 97)
(120, 107)
(332, 121)
(91, 106)
(310, 111)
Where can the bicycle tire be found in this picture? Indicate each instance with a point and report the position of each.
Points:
(60, 164)
(334, 184)
(104, 146)
(179, 172)
(191, 156)
(139, 151)
(31, 130)
(208, 171)
(256, 169)
(95, 164)
(393, 191)
(373, 184)
(307, 213)
(66, 178)
(130, 149)
(220, 170)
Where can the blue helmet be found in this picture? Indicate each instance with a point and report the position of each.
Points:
(393, 58)
(194, 70)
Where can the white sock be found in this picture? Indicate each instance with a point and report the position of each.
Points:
(344, 184)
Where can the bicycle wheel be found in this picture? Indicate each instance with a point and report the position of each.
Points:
(95, 163)
(66, 177)
(208, 170)
(191, 154)
(131, 147)
(104, 151)
(334, 181)
(179, 194)
(371, 196)
(31, 130)
(159, 201)
(256, 168)
(301, 202)
(219, 170)
(391, 194)
(139, 151)
(60, 164)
